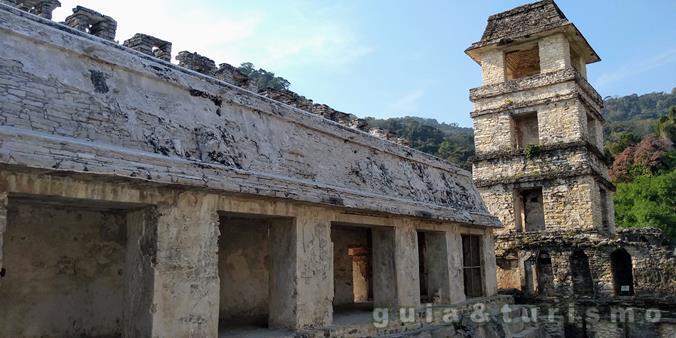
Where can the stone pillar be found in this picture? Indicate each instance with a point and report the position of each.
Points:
(140, 272)
(554, 53)
(186, 284)
(492, 67)
(456, 276)
(396, 274)
(384, 272)
(407, 266)
(312, 254)
(490, 266)
(444, 266)
(3, 229)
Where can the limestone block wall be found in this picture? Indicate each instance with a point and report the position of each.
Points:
(493, 66)
(651, 253)
(568, 203)
(68, 93)
(543, 162)
(554, 53)
(562, 122)
(493, 133)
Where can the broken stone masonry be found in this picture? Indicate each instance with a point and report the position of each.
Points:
(540, 169)
(140, 198)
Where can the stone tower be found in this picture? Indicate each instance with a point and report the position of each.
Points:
(538, 127)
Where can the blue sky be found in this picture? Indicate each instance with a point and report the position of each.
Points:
(394, 58)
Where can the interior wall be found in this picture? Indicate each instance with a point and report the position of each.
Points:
(244, 271)
(64, 271)
(349, 283)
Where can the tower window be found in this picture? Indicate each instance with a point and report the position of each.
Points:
(525, 130)
(530, 215)
(522, 63)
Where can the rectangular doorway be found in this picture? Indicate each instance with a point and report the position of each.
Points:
(255, 268)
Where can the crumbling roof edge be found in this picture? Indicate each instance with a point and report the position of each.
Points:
(385, 145)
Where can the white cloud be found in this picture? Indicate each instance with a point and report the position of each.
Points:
(235, 34)
(636, 68)
(408, 103)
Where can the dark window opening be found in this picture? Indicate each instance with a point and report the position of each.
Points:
(529, 211)
(581, 273)
(623, 278)
(522, 63)
(545, 274)
(525, 130)
(472, 266)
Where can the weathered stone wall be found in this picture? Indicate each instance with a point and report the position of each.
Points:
(71, 283)
(172, 251)
(566, 201)
(68, 93)
(652, 257)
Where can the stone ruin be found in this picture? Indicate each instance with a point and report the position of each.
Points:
(541, 170)
(140, 198)
(143, 198)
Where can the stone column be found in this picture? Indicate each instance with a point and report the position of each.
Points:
(312, 255)
(140, 272)
(492, 67)
(186, 284)
(444, 266)
(384, 271)
(3, 228)
(554, 53)
(456, 276)
(396, 275)
(490, 266)
(407, 266)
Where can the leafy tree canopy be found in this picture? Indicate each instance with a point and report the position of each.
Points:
(262, 78)
(648, 201)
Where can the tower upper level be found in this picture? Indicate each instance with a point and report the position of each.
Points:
(528, 40)
(538, 128)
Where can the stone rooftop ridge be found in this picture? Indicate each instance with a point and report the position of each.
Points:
(525, 21)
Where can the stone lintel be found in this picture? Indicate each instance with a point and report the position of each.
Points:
(515, 107)
(546, 177)
(541, 151)
(536, 81)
